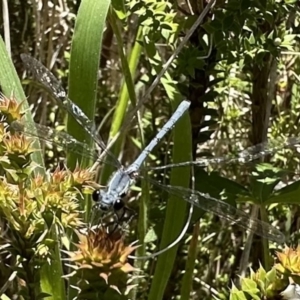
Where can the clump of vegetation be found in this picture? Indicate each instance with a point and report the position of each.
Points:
(238, 67)
(40, 213)
(277, 283)
(102, 255)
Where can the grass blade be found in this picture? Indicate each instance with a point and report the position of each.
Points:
(83, 77)
(84, 65)
(176, 208)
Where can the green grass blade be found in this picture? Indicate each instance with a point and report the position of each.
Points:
(176, 208)
(51, 276)
(83, 78)
(83, 75)
(188, 277)
(84, 65)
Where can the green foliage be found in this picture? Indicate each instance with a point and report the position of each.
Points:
(85, 56)
(257, 30)
(260, 285)
(239, 69)
(264, 284)
(33, 210)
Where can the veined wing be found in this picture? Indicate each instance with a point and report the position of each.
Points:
(246, 155)
(45, 77)
(59, 138)
(225, 210)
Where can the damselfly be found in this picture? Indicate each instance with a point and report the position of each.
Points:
(121, 181)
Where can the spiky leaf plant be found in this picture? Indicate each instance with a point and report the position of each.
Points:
(289, 263)
(260, 285)
(100, 265)
(32, 207)
(281, 282)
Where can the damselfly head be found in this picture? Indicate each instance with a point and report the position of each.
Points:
(104, 202)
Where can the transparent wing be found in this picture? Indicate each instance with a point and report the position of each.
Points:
(226, 211)
(58, 138)
(45, 77)
(246, 155)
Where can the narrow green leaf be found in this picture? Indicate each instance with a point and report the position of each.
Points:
(287, 195)
(83, 77)
(176, 208)
(214, 185)
(51, 276)
(188, 277)
(84, 65)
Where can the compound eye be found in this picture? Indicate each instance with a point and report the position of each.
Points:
(119, 204)
(96, 195)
